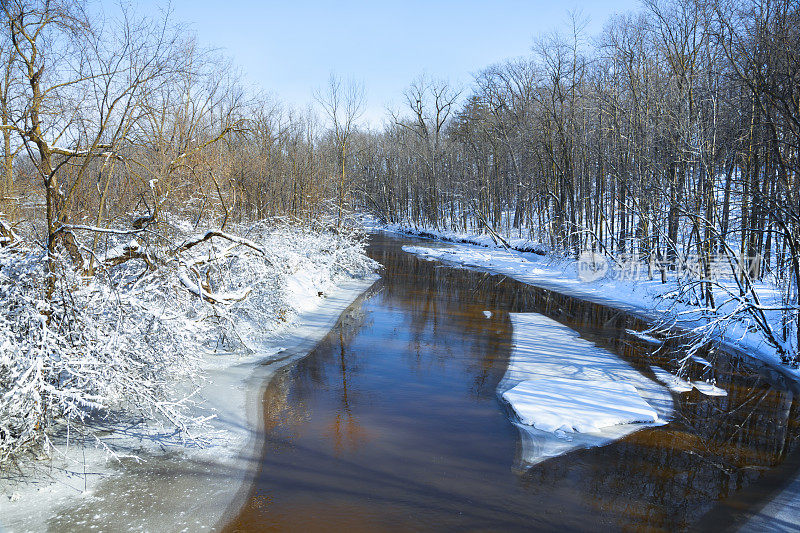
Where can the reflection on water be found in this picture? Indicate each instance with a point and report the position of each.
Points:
(393, 422)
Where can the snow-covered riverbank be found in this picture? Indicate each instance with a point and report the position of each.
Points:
(649, 299)
(175, 485)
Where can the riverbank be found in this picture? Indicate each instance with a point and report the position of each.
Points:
(136, 474)
(170, 489)
(631, 292)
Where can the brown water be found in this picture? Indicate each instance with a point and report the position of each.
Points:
(393, 423)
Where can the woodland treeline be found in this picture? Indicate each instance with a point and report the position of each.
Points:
(147, 192)
(114, 119)
(672, 137)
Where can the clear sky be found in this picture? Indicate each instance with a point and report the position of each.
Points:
(290, 47)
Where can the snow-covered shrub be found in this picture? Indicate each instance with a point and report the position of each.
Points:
(299, 267)
(91, 348)
(119, 340)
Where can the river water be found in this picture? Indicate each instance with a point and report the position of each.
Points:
(393, 423)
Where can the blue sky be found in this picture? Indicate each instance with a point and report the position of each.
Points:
(290, 47)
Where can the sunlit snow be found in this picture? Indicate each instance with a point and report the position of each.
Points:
(645, 337)
(568, 393)
(680, 385)
(576, 405)
(672, 381)
(709, 389)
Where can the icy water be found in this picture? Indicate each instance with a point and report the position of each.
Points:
(393, 423)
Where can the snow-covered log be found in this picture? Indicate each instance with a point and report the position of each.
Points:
(233, 238)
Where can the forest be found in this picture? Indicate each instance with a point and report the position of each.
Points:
(135, 161)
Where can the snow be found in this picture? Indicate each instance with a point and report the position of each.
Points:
(679, 385)
(487, 314)
(709, 389)
(574, 405)
(549, 354)
(476, 236)
(781, 514)
(302, 290)
(643, 336)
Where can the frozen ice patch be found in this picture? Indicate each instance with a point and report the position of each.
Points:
(709, 389)
(679, 385)
(576, 405)
(672, 381)
(548, 353)
(702, 361)
(644, 337)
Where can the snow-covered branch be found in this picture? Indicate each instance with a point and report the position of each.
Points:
(118, 341)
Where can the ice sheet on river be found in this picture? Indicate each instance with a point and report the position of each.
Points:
(577, 405)
(568, 393)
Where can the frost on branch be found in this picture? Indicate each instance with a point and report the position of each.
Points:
(116, 342)
(91, 349)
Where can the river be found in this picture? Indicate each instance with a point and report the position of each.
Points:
(393, 423)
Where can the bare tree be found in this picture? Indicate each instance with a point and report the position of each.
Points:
(673, 143)
(7, 59)
(79, 97)
(431, 103)
(343, 103)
